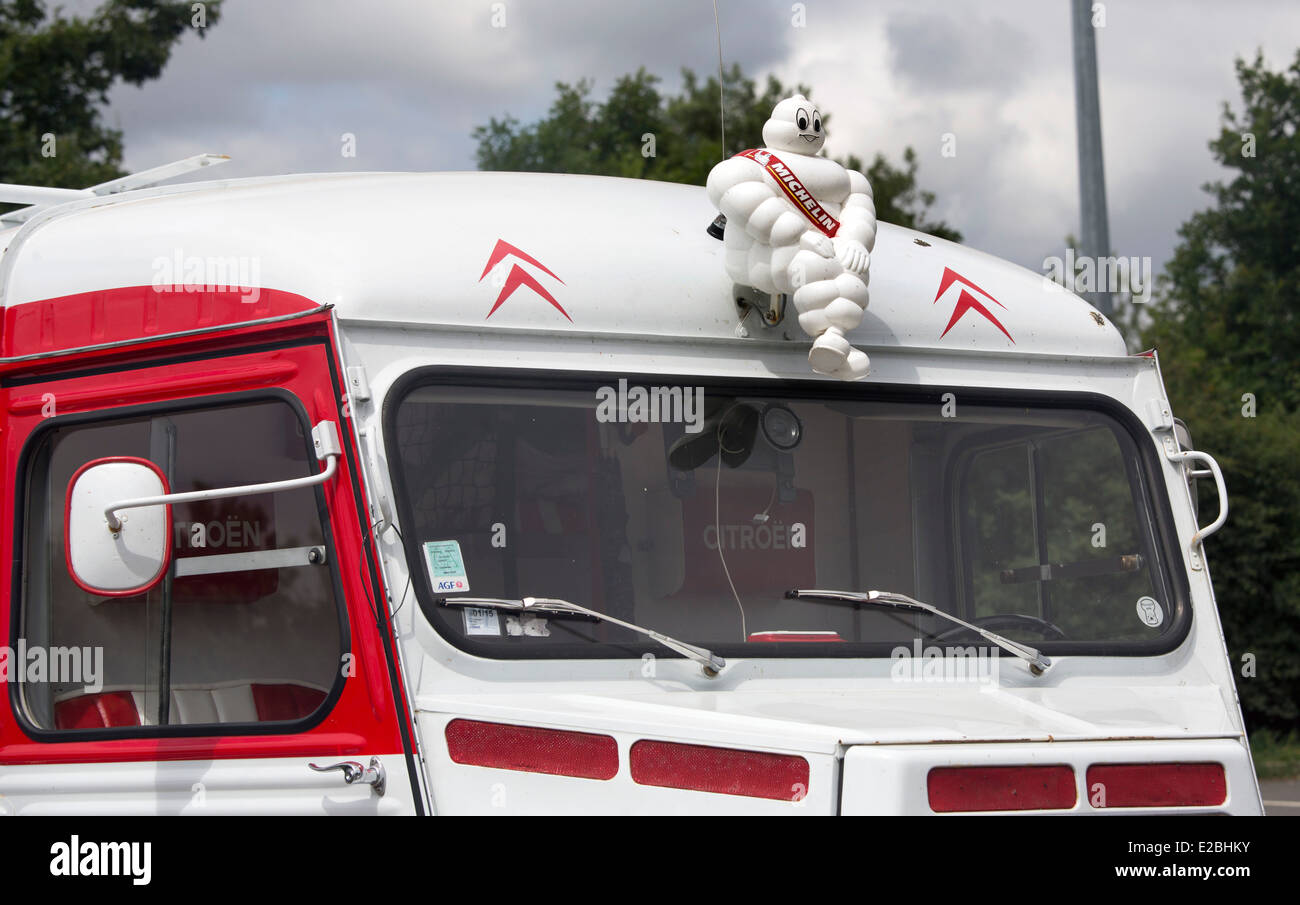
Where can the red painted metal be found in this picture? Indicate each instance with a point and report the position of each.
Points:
(133, 312)
(365, 717)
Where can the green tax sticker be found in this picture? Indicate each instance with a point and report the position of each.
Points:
(446, 567)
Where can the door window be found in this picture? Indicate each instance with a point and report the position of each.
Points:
(246, 628)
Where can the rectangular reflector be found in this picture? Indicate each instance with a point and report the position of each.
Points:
(723, 771)
(1013, 788)
(530, 749)
(1157, 785)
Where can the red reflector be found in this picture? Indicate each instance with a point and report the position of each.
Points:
(724, 771)
(532, 750)
(1157, 785)
(1001, 788)
(778, 637)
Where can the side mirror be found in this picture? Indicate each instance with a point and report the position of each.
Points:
(135, 557)
(1184, 438)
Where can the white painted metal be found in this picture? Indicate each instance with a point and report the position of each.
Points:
(36, 194)
(1222, 488)
(159, 174)
(209, 786)
(252, 561)
(129, 556)
(892, 779)
(402, 256)
(409, 250)
(461, 789)
(814, 706)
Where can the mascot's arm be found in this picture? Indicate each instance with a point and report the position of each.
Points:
(738, 188)
(858, 216)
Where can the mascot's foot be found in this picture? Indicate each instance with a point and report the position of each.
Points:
(832, 355)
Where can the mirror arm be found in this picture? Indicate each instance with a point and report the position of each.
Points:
(115, 524)
(325, 439)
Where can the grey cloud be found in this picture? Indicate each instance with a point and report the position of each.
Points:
(957, 50)
(410, 81)
(277, 83)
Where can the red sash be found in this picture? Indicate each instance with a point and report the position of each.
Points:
(793, 189)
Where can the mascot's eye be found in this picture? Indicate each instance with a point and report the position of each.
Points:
(817, 124)
(802, 120)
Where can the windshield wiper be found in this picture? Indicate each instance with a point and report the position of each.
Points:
(1037, 662)
(710, 661)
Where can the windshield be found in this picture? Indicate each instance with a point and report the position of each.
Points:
(692, 510)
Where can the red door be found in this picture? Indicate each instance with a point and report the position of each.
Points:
(266, 647)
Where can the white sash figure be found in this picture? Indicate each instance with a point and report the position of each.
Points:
(802, 224)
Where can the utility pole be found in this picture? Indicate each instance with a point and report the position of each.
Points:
(1095, 228)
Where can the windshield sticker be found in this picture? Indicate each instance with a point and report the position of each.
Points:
(446, 567)
(481, 621)
(528, 625)
(1150, 612)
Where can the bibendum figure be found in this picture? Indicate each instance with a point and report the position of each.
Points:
(802, 224)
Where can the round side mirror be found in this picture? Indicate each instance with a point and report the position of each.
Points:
(132, 559)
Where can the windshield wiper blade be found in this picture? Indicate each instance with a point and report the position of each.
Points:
(1038, 663)
(711, 662)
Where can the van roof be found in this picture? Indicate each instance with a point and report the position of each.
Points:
(517, 251)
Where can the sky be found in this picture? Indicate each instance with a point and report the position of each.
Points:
(277, 84)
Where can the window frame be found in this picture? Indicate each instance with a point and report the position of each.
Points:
(1170, 561)
(22, 502)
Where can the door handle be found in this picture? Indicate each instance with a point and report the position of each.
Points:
(373, 775)
(1213, 470)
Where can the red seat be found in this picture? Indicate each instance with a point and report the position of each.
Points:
(285, 702)
(117, 709)
(108, 710)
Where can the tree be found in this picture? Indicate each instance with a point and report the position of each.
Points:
(640, 133)
(1226, 320)
(55, 74)
(898, 199)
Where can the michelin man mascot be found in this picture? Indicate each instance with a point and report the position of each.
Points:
(802, 224)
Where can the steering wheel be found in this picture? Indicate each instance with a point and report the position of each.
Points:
(1050, 631)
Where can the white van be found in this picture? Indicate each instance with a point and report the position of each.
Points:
(490, 493)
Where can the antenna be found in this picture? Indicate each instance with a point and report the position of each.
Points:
(722, 106)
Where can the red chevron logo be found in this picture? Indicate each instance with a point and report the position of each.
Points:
(967, 302)
(519, 277)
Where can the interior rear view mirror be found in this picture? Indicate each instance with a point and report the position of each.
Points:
(131, 557)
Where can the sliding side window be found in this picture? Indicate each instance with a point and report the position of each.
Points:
(246, 627)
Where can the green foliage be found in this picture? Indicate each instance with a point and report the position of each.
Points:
(1276, 755)
(898, 199)
(55, 74)
(1227, 323)
(612, 138)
